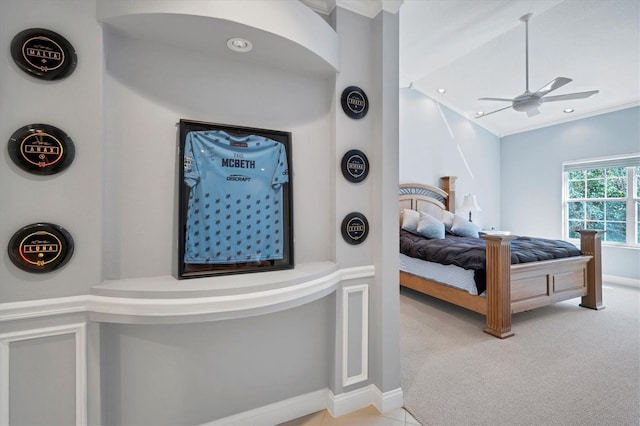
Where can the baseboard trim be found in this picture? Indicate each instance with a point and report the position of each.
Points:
(388, 401)
(627, 282)
(312, 402)
(277, 412)
(350, 401)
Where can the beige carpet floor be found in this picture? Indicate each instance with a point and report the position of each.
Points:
(565, 365)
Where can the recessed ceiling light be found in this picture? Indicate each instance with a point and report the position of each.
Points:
(238, 44)
(568, 110)
(442, 91)
(479, 113)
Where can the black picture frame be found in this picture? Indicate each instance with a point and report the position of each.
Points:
(235, 200)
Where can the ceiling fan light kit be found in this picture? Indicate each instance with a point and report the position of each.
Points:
(530, 102)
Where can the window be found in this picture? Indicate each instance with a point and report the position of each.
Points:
(603, 194)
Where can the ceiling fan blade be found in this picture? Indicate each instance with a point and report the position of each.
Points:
(569, 96)
(533, 112)
(495, 99)
(553, 85)
(501, 109)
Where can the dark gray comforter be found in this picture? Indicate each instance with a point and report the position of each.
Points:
(469, 253)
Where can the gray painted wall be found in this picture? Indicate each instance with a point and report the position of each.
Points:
(532, 176)
(196, 373)
(72, 198)
(369, 60)
(385, 306)
(356, 48)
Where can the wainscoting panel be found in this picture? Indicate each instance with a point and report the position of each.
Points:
(44, 370)
(355, 334)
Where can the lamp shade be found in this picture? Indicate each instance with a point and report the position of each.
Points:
(470, 203)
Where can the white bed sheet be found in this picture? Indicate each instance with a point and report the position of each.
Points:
(450, 275)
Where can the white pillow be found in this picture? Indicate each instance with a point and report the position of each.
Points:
(410, 219)
(430, 227)
(447, 218)
(463, 228)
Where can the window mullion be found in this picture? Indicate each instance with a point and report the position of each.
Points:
(565, 205)
(632, 228)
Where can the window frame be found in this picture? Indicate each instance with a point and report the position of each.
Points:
(632, 163)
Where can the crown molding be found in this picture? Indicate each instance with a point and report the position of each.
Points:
(323, 7)
(368, 8)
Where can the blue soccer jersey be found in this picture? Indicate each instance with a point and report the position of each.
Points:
(235, 206)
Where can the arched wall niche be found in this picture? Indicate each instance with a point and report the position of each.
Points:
(168, 60)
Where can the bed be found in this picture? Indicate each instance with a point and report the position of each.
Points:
(510, 288)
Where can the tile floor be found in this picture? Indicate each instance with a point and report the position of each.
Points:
(367, 416)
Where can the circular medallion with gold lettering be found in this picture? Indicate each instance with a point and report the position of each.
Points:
(355, 166)
(355, 228)
(43, 54)
(41, 149)
(41, 247)
(354, 102)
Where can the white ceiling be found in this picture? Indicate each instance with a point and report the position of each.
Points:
(476, 48)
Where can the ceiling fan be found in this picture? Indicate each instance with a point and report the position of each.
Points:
(530, 102)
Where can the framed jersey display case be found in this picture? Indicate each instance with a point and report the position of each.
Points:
(235, 200)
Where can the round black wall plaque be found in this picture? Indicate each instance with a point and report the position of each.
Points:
(355, 228)
(41, 247)
(43, 54)
(41, 149)
(355, 166)
(354, 102)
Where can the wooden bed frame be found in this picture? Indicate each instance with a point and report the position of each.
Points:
(510, 288)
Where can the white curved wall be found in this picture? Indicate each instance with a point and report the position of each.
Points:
(290, 20)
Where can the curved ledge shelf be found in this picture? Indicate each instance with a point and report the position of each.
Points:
(168, 287)
(136, 301)
(286, 35)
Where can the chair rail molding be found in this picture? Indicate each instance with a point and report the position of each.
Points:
(288, 290)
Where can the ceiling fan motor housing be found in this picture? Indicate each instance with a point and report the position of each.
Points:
(527, 101)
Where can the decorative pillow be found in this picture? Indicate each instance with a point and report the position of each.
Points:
(463, 228)
(447, 218)
(430, 227)
(410, 219)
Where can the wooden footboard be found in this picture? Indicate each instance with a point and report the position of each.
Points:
(547, 282)
(521, 287)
